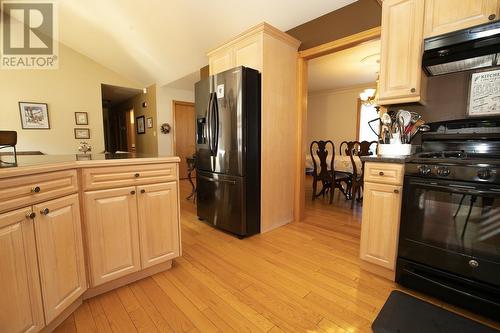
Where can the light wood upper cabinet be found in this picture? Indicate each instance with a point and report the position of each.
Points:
(220, 62)
(380, 224)
(443, 16)
(401, 52)
(158, 223)
(112, 233)
(21, 307)
(248, 53)
(60, 253)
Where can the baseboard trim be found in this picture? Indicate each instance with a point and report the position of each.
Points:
(378, 270)
(120, 282)
(63, 316)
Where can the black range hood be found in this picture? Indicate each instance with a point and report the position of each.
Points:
(471, 48)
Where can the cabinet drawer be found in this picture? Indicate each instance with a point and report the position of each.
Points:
(110, 177)
(23, 191)
(386, 173)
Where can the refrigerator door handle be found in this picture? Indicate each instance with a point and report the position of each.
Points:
(216, 131)
(209, 124)
(213, 180)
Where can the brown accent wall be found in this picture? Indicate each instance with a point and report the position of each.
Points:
(447, 98)
(356, 17)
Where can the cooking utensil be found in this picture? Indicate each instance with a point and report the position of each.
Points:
(406, 115)
(387, 121)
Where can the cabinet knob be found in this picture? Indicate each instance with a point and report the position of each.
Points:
(143, 191)
(132, 192)
(136, 175)
(36, 189)
(492, 17)
(413, 90)
(396, 191)
(30, 215)
(45, 211)
(381, 173)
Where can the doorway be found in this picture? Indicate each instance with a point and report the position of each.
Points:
(305, 102)
(119, 118)
(184, 134)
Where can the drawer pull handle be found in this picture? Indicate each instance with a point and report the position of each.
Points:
(45, 211)
(381, 173)
(143, 191)
(412, 90)
(137, 175)
(396, 191)
(36, 189)
(30, 215)
(492, 17)
(132, 192)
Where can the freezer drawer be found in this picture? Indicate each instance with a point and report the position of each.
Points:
(221, 201)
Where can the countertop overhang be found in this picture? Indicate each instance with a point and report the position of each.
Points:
(32, 164)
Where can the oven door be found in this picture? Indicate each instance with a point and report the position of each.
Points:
(452, 226)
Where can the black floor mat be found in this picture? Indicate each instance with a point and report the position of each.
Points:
(403, 313)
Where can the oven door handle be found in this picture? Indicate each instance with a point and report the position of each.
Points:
(457, 189)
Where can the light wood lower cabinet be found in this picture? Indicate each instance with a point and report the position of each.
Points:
(112, 233)
(380, 220)
(21, 307)
(158, 223)
(60, 253)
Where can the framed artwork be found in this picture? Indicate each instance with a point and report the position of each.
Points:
(82, 133)
(34, 115)
(484, 93)
(141, 129)
(81, 118)
(149, 122)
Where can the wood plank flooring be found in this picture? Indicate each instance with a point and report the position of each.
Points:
(303, 277)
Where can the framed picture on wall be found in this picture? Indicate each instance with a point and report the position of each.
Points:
(81, 118)
(34, 115)
(149, 122)
(141, 128)
(82, 133)
(484, 93)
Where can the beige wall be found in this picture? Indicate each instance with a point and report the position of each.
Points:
(332, 114)
(75, 86)
(144, 143)
(165, 97)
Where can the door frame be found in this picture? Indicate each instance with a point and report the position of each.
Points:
(174, 129)
(302, 70)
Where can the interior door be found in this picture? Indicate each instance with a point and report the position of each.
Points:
(21, 307)
(112, 233)
(60, 253)
(158, 223)
(185, 128)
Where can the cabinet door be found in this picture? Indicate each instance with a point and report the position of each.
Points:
(443, 16)
(112, 233)
(401, 51)
(248, 52)
(158, 223)
(380, 224)
(221, 61)
(60, 253)
(21, 301)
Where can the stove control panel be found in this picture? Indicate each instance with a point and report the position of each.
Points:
(424, 170)
(484, 174)
(443, 171)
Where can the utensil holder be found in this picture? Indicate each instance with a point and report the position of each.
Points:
(394, 149)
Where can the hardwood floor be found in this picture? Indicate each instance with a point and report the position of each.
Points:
(303, 277)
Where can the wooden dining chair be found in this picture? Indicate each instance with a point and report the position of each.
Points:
(343, 143)
(324, 173)
(357, 149)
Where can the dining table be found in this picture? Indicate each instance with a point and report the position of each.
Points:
(342, 163)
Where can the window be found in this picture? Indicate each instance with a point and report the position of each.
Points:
(367, 113)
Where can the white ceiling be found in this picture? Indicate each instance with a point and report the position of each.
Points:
(345, 68)
(159, 41)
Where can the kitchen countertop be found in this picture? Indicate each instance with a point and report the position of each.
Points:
(386, 159)
(29, 164)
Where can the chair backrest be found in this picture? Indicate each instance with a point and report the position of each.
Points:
(319, 151)
(345, 150)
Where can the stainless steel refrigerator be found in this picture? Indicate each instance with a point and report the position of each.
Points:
(228, 150)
